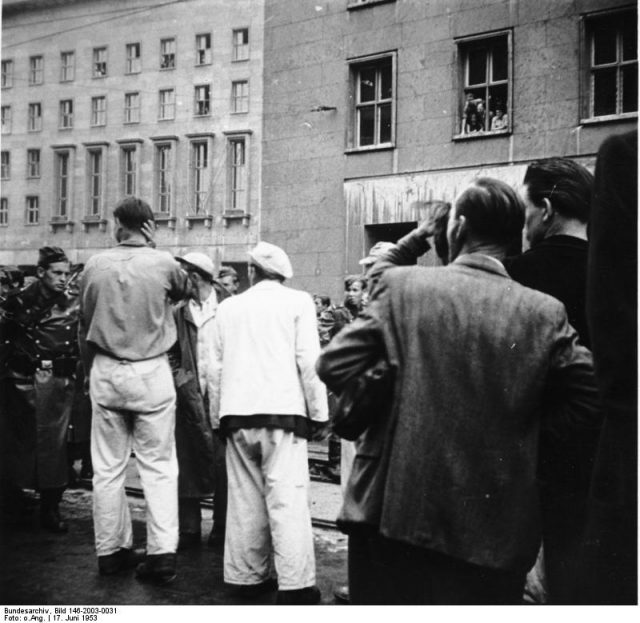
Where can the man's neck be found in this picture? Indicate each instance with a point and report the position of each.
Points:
(496, 251)
(567, 227)
(133, 237)
(204, 292)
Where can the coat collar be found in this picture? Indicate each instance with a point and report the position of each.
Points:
(482, 262)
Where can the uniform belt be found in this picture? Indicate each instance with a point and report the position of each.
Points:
(60, 366)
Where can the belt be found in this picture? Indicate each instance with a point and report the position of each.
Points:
(60, 366)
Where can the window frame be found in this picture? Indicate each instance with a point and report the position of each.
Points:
(7, 67)
(236, 56)
(463, 47)
(356, 65)
(166, 174)
(68, 116)
(32, 213)
(6, 124)
(94, 120)
(162, 106)
(4, 211)
(94, 207)
(198, 101)
(62, 191)
(163, 41)
(5, 167)
(129, 109)
(200, 186)
(233, 206)
(237, 99)
(129, 147)
(132, 64)
(65, 68)
(33, 165)
(96, 62)
(587, 81)
(36, 74)
(34, 122)
(208, 49)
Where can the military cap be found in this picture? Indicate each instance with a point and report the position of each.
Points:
(51, 255)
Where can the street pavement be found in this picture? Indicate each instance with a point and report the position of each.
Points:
(40, 568)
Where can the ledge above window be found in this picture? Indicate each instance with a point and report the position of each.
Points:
(236, 215)
(94, 221)
(361, 4)
(58, 222)
(370, 148)
(482, 134)
(162, 217)
(627, 116)
(205, 219)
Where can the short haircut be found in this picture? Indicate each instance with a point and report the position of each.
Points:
(325, 300)
(493, 211)
(440, 229)
(227, 271)
(263, 273)
(565, 183)
(132, 213)
(351, 279)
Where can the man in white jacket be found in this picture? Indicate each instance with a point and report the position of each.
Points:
(268, 401)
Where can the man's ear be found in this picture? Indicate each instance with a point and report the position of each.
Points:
(40, 272)
(547, 211)
(462, 228)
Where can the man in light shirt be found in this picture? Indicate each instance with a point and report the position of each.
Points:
(268, 401)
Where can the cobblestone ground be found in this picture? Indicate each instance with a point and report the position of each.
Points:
(39, 568)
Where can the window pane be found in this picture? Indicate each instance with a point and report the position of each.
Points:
(604, 92)
(477, 66)
(604, 44)
(367, 85)
(386, 87)
(629, 41)
(385, 123)
(630, 88)
(500, 60)
(366, 125)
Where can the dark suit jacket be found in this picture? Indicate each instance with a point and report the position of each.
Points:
(480, 359)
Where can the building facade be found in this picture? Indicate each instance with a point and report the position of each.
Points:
(322, 126)
(373, 108)
(161, 100)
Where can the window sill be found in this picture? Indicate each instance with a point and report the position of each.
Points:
(239, 112)
(168, 119)
(205, 219)
(204, 115)
(32, 224)
(480, 135)
(203, 64)
(132, 73)
(609, 118)
(353, 6)
(167, 68)
(370, 148)
(236, 215)
(239, 60)
(33, 177)
(64, 129)
(161, 217)
(58, 222)
(130, 122)
(98, 221)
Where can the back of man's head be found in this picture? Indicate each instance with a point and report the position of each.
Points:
(493, 211)
(132, 213)
(565, 183)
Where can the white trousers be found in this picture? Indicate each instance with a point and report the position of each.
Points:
(133, 407)
(268, 509)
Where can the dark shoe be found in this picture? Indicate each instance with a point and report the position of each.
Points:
(250, 591)
(119, 561)
(189, 540)
(308, 596)
(216, 538)
(52, 521)
(159, 569)
(341, 594)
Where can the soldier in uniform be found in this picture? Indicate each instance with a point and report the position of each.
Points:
(39, 326)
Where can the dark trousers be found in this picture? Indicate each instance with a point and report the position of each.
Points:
(220, 495)
(387, 572)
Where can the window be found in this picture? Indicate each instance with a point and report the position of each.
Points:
(129, 170)
(66, 114)
(240, 96)
(132, 107)
(4, 212)
(203, 49)
(33, 163)
(133, 58)
(202, 100)
(99, 62)
(167, 104)
(98, 111)
(67, 66)
(33, 210)
(168, 53)
(240, 38)
(199, 169)
(164, 177)
(237, 170)
(7, 74)
(94, 181)
(61, 164)
(36, 70)
(485, 97)
(613, 64)
(6, 119)
(34, 123)
(373, 94)
(6, 165)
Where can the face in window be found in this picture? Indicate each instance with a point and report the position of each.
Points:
(536, 220)
(54, 277)
(231, 283)
(355, 294)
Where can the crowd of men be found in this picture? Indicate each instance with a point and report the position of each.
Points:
(508, 451)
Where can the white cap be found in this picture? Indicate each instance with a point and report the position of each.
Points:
(200, 261)
(376, 251)
(272, 259)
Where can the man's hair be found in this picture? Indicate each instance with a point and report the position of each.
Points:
(565, 183)
(440, 229)
(263, 273)
(325, 300)
(351, 279)
(493, 211)
(132, 213)
(227, 271)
